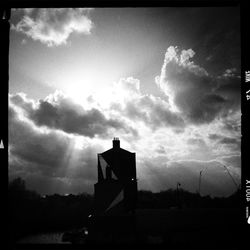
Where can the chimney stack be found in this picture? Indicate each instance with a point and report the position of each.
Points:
(116, 142)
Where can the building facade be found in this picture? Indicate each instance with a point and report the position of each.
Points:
(116, 190)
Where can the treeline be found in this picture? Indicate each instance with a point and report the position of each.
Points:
(184, 199)
(30, 212)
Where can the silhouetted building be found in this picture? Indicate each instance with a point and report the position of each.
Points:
(116, 189)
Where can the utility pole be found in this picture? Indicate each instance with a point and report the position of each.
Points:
(200, 182)
(177, 186)
(178, 194)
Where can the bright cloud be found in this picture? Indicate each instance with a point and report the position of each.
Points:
(54, 26)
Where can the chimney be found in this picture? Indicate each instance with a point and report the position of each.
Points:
(116, 142)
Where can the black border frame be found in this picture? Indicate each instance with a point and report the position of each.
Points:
(245, 86)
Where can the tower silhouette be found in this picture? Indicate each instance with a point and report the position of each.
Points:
(116, 189)
(115, 196)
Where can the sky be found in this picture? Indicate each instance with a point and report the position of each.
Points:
(166, 81)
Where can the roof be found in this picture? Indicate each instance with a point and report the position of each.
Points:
(121, 161)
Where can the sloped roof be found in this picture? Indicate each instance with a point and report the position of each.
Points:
(121, 161)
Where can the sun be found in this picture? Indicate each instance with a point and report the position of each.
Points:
(78, 87)
(87, 91)
(83, 88)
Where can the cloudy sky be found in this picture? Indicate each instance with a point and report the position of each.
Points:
(166, 81)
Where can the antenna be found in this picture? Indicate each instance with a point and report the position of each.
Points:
(237, 186)
(199, 190)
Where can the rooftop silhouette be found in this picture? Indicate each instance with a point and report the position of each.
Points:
(116, 189)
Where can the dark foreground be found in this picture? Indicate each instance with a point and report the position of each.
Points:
(151, 229)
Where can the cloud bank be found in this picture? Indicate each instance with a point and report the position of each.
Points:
(200, 97)
(55, 141)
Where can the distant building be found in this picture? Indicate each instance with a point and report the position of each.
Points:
(116, 189)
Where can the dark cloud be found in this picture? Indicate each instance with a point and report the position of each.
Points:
(49, 163)
(200, 98)
(229, 87)
(49, 157)
(231, 125)
(154, 112)
(86, 122)
(228, 140)
(21, 101)
(219, 41)
(214, 136)
(161, 115)
(232, 143)
(224, 139)
(34, 147)
(203, 110)
(65, 115)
